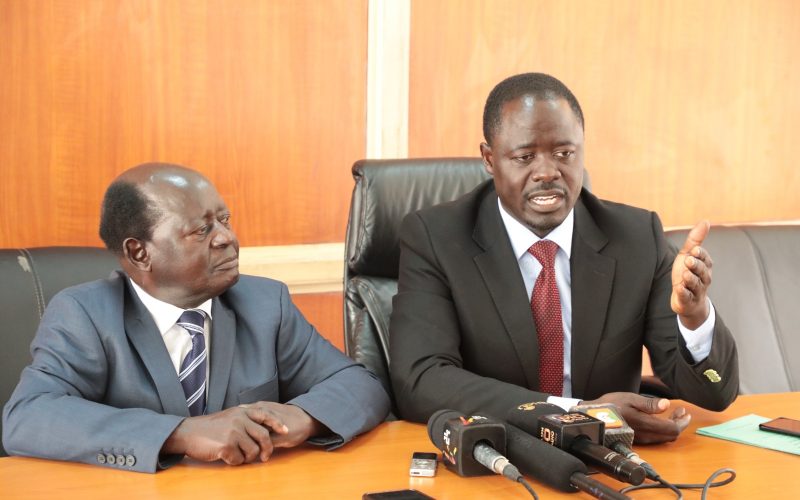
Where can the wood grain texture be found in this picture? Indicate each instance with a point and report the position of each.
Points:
(690, 107)
(378, 461)
(324, 311)
(267, 98)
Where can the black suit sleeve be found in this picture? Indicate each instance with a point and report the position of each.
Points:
(712, 383)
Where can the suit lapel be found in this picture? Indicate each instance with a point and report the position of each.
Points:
(500, 271)
(592, 278)
(223, 339)
(143, 334)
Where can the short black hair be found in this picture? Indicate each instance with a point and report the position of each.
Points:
(539, 85)
(126, 213)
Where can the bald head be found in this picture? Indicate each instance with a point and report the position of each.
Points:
(171, 230)
(134, 202)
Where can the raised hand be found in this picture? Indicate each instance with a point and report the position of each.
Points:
(691, 277)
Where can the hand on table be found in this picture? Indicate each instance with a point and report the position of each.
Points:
(242, 434)
(641, 414)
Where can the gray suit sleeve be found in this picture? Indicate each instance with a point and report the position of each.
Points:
(57, 409)
(325, 383)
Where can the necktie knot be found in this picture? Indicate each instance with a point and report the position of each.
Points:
(193, 321)
(545, 252)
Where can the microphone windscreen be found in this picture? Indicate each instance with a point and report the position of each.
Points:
(436, 426)
(541, 461)
(526, 416)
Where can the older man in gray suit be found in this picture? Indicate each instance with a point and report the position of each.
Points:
(177, 355)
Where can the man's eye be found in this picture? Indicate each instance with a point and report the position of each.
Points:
(203, 230)
(225, 220)
(564, 154)
(524, 158)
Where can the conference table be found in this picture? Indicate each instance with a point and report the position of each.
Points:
(379, 461)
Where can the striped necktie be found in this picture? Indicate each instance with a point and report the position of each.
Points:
(193, 369)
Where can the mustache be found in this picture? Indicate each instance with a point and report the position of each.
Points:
(546, 186)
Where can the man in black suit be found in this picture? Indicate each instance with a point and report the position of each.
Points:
(463, 335)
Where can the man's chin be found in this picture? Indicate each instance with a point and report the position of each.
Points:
(542, 224)
(223, 283)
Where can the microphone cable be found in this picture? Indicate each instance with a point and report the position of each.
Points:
(521, 480)
(708, 484)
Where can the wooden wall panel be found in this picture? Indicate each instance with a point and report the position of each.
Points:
(324, 311)
(265, 97)
(691, 107)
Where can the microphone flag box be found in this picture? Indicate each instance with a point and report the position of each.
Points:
(562, 429)
(460, 435)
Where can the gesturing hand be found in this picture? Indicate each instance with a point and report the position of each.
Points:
(236, 435)
(691, 277)
(640, 413)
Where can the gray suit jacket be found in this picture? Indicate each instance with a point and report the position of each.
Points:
(462, 333)
(102, 385)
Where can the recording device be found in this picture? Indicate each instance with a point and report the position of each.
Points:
(423, 464)
(578, 434)
(782, 425)
(458, 437)
(618, 434)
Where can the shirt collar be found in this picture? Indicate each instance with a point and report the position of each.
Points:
(165, 314)
(523, 238)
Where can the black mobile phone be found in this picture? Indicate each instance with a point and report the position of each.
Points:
(782, 425)
(397, 495)
(423, 464)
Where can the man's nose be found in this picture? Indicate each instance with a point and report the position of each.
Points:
(223, 236)
(544, 169)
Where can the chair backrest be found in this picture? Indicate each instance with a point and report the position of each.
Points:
(30, 278)
(756, 290)
(385, 191)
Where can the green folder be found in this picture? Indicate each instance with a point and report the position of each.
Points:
(745, 430)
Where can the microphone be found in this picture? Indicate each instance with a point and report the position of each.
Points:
(470, 445)
(617, 429)
(618, 434)
(459, 438)
(578, 434)
(553, 466)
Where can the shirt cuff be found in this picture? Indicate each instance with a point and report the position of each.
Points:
(699, 341)
(565, 403)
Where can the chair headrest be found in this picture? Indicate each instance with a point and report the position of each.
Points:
(387, 190)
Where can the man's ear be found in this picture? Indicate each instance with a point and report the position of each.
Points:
(486, 154)
(135, 254)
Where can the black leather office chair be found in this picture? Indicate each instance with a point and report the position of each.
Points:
(385, 191)
(30, 278)
(756, 289)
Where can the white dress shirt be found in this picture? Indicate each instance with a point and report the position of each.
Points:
(176, 339)
(697, 341)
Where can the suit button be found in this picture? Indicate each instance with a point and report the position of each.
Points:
(110, 460)
(101, 459)
(130, 460)
(120, 460)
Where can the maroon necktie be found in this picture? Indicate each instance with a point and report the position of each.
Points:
(546, 308)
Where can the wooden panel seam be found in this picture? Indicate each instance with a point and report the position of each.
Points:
(313, 268)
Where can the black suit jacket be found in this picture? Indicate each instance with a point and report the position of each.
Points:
(462, 334)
